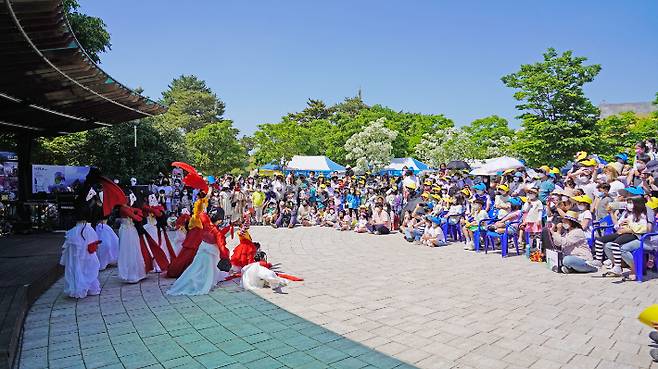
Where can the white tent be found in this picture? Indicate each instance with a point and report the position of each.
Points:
(313, 163)
(492, 166)
(398, 163)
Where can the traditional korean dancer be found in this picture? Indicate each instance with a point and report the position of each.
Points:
(81, 243)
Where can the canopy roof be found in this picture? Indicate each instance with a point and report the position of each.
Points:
(48, 84)
(410, 163)
(313, 163)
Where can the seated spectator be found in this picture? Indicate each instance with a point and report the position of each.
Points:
(472, 222)
(380, 222)
(344, 221)
(569, 237)
(514, 214)
(329, 219)
(650, 244)
(632, 224)
(433, 236)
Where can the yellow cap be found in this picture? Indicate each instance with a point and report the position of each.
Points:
(436, 189)
(555, 171)
(582, 198)
(466, 191)
(435, 196)
(503, 187)
(653, 203)
(581, 155)
(589, 163)
(545, 168)
(426, 194)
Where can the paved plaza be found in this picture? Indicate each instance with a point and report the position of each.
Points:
(367, 301)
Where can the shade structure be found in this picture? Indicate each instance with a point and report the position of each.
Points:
(49, 86)
(396, 165)
(319, 164)
(493, 166)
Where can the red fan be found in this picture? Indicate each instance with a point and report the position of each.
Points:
(184, 166)
(112, 195)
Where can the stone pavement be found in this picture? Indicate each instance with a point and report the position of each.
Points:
(366, 300)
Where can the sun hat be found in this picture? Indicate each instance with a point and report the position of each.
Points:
(515, 201)
(571, 215)
(623, 157)
(532, 189)
(632, 191)
(589, 163)
(582, 198)
(480, 187)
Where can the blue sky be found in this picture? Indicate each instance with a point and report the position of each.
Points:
(265, 58)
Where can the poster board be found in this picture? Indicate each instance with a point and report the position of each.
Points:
(57, 178)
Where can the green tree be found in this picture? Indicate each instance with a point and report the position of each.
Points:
(558, 119)
(91, 32)
(276, 141)
(117, 157)
(69, 149)
(192, 105)
(372, 148)
(215, 149)
(315, 110)
(489, 137)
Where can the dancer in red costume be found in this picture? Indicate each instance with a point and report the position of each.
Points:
(199, 222)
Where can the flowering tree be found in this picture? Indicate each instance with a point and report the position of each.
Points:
(371, 148)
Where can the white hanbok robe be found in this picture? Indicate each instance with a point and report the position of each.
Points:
(131, 262)
(202, 275)
(108, 250)
(255, 276)
(80, 267)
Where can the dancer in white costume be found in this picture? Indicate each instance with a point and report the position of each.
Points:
(80, 261)
(81, 243)
(255, 276)
(131, 261)
(151, 226)
(108, 250)
(203, 274)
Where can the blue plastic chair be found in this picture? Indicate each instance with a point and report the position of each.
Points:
(504, 238)
(481, 232)
(454, 231)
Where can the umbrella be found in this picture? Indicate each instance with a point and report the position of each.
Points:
(496, 165)
(458, 164)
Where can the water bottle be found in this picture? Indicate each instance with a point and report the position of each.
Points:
(527, 251)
